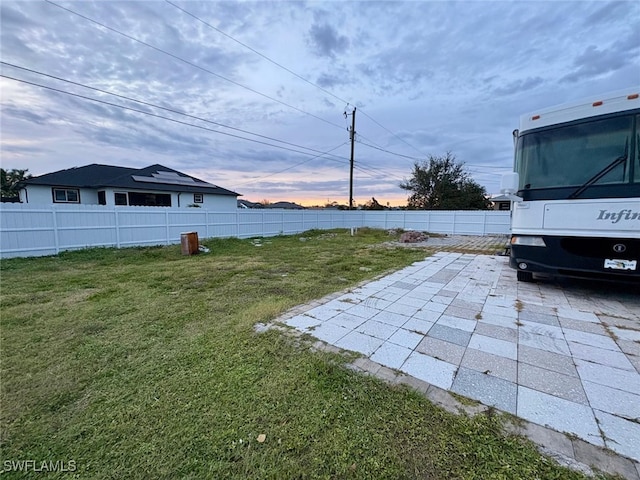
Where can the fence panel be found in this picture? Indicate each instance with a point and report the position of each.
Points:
(26, 230)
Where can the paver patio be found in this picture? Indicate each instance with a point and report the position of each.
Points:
(564, 358)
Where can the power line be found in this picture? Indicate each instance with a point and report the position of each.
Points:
(373, 171)
(154, 105)
(421, 159)
(255, 51)
(287, 69)
(192, 64)
(385, 128)
(291, 167)
(161, 116)
(390, 152)
(370, 171)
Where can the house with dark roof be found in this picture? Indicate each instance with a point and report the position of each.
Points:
(156, 186)
(285, 205)
(501, 202)
(247, 204)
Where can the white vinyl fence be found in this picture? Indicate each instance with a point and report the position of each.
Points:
(27, 231)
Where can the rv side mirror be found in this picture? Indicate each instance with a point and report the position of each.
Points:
(509, 186)
(509, 183)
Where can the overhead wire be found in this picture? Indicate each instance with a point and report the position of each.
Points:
(370, 171)
(130, 37)
(477, 167)
(152, 105)
(254, 51)
(192, 64)
(288, 70)
(254, 180)
(162, 117)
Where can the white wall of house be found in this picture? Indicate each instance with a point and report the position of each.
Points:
(42, 195)
(210, 202)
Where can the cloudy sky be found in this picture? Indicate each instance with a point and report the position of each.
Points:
(251, 96)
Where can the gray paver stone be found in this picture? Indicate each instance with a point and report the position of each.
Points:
(604, 460)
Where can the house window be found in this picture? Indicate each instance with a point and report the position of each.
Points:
(102, 197)
(150, 199)
(66, 195)
(120, 199)
(198, 198)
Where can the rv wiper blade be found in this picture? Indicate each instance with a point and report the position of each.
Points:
(598, 176)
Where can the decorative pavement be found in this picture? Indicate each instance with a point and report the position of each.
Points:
(564, 356)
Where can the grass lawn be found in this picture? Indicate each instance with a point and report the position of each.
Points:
(142, 363)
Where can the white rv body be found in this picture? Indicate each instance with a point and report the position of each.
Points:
(577, 210)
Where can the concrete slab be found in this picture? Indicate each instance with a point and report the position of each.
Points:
(610, 357)
(495, 346)
(346, 320)
(359, 342)
(562, 415)
(495, 331)
(391, 318)
(377, 329)
(391, 355)
(609, 376)
(406, 338)
(600, 341)
(457, 322)
(490, 364)
(418, 325)
(489, 390)
(429, 369)
(551, 361)
(542, 342)
(620, 435)
(613, 400)
(442, 350)
(449, 334)
(554, 383)
(329, 332)
(543, 318)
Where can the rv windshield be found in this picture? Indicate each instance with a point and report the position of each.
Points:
(572, 155)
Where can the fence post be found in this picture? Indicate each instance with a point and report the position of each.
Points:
(166, 226)
(117, 225)
(55, 230)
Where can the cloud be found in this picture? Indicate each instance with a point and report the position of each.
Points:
(27, 114)
(327, 80)
(325, 40)
(518, 86)
(593, 62)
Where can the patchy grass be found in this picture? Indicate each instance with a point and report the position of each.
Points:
(142, 363)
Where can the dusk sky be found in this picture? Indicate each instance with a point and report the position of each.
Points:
(254, 93)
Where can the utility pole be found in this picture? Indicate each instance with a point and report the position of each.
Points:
(353, 141)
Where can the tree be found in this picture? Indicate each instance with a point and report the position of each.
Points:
(442, 184)
(9, 180)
